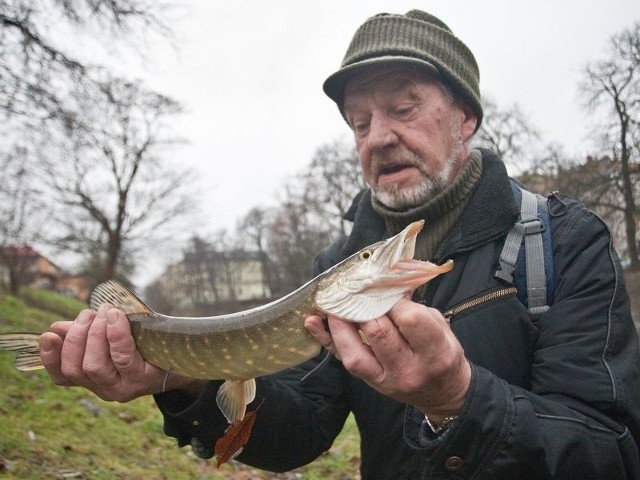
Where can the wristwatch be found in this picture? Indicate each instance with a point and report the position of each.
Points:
(446, 423)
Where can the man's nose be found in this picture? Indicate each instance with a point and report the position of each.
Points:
(381, 132)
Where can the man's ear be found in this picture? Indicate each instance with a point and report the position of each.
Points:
(469, 122)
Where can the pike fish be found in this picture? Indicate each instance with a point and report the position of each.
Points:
(241, 346)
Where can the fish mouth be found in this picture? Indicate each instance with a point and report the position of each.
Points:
(376, 277)
(403, 245)
(412, 231)
(401, 269)
(413, 273)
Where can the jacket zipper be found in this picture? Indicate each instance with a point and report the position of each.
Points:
(503, 292)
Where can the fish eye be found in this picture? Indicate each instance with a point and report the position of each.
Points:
(365, 254)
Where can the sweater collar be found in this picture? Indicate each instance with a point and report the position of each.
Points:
(448, 203)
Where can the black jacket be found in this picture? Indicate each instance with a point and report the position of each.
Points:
(552, 397)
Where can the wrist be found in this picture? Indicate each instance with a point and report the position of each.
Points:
(188, 385)
(437, 411)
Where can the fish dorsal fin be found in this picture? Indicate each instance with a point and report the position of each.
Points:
(120, 297)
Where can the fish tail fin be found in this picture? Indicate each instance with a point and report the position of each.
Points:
(234, 396)
(119, 296)
(27, 349)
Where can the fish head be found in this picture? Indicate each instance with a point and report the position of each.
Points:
(367, 284)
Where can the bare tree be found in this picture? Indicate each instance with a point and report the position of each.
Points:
(21, 213)
(251, 228)
(35, 70)
(310, 213)
(332, 181)
(592, 181)
(508, 132)
(201, 272)
(118, 191)
(40, 70)
(543, 175)
(612, 86)
(296, 235)
(252, 232)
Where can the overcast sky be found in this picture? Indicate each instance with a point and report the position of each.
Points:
(250, 75)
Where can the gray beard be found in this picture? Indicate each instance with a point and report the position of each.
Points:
(433, 183)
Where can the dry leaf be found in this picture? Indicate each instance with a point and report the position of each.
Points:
(235, 438)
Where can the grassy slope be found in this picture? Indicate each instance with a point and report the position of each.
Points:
(52, 432)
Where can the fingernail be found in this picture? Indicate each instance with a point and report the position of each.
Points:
(46, 345)
(112, 317)
(85, 317)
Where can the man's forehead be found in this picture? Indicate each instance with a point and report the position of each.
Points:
(392, 78)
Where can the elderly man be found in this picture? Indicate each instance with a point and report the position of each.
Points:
(460, 381)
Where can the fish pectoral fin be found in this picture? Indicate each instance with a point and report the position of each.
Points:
(234, 396)
(120, 297)
(357, 307)
(27, 349)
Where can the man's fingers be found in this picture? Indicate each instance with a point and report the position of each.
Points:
(98, 352)
(424, 329)
(355, 355)
(122, 347)
(50, 354)
(97, 364)
(61, 328)
(386, 342)
(74, 347)
(317, 328)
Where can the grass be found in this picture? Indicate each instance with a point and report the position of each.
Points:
(49, 432)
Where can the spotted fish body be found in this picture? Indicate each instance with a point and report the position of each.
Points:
(241, 346)
(238, 346)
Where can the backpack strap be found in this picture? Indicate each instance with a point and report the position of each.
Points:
(530, 268)
(534, 253)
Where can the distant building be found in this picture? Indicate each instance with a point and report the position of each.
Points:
(31, 268)
(213, 283)
(28, 266)
(74, 286)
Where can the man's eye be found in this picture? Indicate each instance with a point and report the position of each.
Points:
(360, 127)
(403, 110)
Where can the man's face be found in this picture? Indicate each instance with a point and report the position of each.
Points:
(411, 138)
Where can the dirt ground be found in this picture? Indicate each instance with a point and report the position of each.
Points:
(632, 279)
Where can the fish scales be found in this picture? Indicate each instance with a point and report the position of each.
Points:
(235, 346)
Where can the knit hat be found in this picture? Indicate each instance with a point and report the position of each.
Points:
(415, 39)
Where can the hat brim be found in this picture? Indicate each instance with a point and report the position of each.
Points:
(335, 84)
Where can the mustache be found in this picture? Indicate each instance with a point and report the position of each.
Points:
(387, 161)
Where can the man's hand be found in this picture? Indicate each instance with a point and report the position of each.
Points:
(410, 354)
(98, 352)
